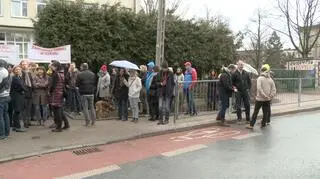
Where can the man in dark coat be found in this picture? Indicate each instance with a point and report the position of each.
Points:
(165, 83)
(242, 81)
(225, 91)
(86, 83)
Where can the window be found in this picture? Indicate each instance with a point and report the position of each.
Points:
(19, 8)
(41, 4)
(0, 7)
(20, 39)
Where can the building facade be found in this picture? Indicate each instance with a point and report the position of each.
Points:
(16, 27)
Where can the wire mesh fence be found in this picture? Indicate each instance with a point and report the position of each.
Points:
(206, 95)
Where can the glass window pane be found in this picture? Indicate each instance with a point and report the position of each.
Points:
(21, 56)
(25, 48)
(10, 36)
(10, 43)
(20, 48)
(16, 8)
(19, 37)
(2, 35)
(2, 42)
(25, 9)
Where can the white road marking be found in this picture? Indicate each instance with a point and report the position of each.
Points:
(184, 150)
(86, 174)
(246, 136)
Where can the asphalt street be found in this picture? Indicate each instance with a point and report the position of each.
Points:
(288, 148)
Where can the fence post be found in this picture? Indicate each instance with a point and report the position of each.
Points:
(299, 93)
(176, 105)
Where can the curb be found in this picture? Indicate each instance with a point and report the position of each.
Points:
(140, 136)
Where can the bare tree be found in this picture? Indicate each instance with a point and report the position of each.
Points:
(257, 39)
(302, 23)
(150, 6)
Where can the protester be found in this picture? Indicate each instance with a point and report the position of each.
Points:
(86, 82)
(190, 79)
(165, 83)
(103, 86)
(153, 94)
(144, 108)
(121, 94)
(56, 94)
(212, 93)
(179, 77)
(266, 90)
(225, 91)
(135, 86)
(27, 79)
(40, 95)
(241, 80)
(73, 96)
(10, 110)
(17, 94)
(5, 84)
(150, 97)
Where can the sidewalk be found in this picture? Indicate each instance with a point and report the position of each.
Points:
(39, 140)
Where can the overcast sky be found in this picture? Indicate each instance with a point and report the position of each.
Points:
(237, 12)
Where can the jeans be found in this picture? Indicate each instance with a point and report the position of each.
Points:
(134, 104)
(123, 109)
(224, 106)
(27, 111)
(265, 109)
(41, 108)
(164, 108)
(243, 96)
(59, 116)
(74, 100)
(190, 101)
(4, 117)
(88, 107)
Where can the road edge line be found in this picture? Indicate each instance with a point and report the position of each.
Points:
(91, 173)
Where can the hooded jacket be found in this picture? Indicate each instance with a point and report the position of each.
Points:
(266, 88)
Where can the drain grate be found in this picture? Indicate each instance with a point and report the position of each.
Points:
(85, 151)
(35, 137)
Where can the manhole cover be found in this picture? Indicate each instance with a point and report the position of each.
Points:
(85, 151)
(35, 137)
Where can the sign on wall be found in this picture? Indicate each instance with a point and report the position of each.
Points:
(46, 55)
(10, 53)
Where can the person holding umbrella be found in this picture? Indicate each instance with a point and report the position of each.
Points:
(135, 86)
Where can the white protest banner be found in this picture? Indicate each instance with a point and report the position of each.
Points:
(46, 55)
(10, 53)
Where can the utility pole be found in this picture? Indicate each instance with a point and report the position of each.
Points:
(161, 31)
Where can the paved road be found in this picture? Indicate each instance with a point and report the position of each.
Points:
(289, 148)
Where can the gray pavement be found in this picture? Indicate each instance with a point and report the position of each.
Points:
(288, 149)
(39, 140)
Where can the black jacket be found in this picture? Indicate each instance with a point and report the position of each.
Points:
(17, 93)
(120, 90)
(86, 82)
(167, 78)
(225, 85)
(241, 81)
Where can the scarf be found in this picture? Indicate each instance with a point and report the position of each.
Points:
(27, 80)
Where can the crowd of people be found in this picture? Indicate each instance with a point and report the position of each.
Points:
(30, 92)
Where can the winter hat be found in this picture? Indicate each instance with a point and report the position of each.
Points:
(151, 64)
(266, 66)
(104, 68)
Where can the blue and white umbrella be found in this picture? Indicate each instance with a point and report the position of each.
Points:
(124, 64)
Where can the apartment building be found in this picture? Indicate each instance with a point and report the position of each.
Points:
(16, 16)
